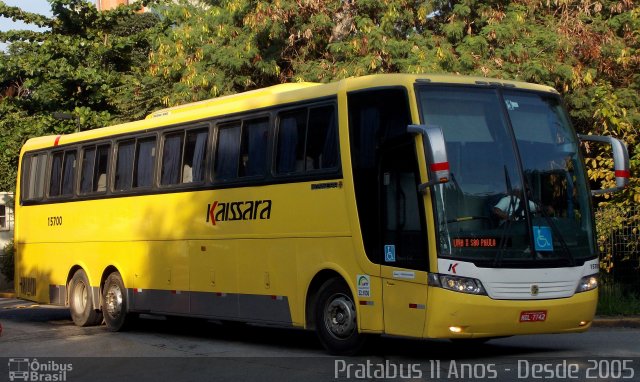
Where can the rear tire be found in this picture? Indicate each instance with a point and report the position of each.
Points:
(336, 321)
(81, 301)
(115, 304)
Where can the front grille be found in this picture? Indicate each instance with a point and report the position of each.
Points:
(530, 290)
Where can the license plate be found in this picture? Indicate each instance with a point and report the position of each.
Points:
(533, 316)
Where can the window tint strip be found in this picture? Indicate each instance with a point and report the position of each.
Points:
(171, 159)
(86, 172)
(145, 161)
(228, 150)
(195, 156)
(124, 166)
(56, 173)
(68, 173)
(101, 167)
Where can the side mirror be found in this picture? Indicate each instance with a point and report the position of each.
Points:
(435, 154)
(620, 161)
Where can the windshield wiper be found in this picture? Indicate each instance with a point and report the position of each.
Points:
(507, 224)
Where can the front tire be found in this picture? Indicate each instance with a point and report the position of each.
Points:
(336, 321)
(115, 304)
(81, 302)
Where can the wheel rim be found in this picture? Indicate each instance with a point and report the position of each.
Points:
(340, 316)
(113, 300)
(80, 296)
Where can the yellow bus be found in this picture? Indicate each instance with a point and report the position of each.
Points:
(427, 206)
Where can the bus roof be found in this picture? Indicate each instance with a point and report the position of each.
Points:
(266, 97)
(271, 90)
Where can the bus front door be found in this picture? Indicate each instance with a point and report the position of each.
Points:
(404, 244)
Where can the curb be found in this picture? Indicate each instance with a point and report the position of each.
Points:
(617, 322)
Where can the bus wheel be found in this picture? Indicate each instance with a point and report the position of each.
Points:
(80, 301)
(336, 321)
(114, 302)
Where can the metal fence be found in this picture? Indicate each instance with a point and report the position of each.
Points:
(618, 231)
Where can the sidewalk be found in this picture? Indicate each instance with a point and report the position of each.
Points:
(616, 322)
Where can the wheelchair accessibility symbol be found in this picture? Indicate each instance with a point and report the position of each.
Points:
(390, 253)
(543, 238)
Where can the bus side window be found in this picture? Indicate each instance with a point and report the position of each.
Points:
(86, 170)
(68, 173)
(253, 153)
(63, 171)
(100, 168)
(322, 138)
(184, 157)
(291, 138)
(35, 169)
(227, 152)
(195, 156)
(93, 169)
(144, 163)
(171, 159)
(56, 174)
(124, 165)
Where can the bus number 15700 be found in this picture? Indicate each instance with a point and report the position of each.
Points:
(54, 221)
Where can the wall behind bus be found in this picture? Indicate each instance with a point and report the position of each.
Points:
(6, 230)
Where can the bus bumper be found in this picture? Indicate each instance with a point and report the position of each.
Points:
(458, 315)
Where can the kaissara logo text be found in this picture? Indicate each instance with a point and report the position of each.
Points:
(230, 211)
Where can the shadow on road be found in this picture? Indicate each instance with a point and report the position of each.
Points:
(279, 338)
(297, 339)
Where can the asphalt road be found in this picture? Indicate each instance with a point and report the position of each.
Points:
(165, 350)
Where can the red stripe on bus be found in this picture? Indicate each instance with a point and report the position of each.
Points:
(623, 173)
(442, 166)
(57, 141)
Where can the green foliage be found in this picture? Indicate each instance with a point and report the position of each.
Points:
(610, 220)
(614, 300)
(90, 64)
(7, 267)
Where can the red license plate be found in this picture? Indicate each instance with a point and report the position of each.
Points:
(533, 316)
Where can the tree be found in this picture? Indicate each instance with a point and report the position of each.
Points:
(87, 63)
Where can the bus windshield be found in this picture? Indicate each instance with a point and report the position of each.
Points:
(518, 194)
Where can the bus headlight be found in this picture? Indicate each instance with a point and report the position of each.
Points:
(587, 283)
(457, 283)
